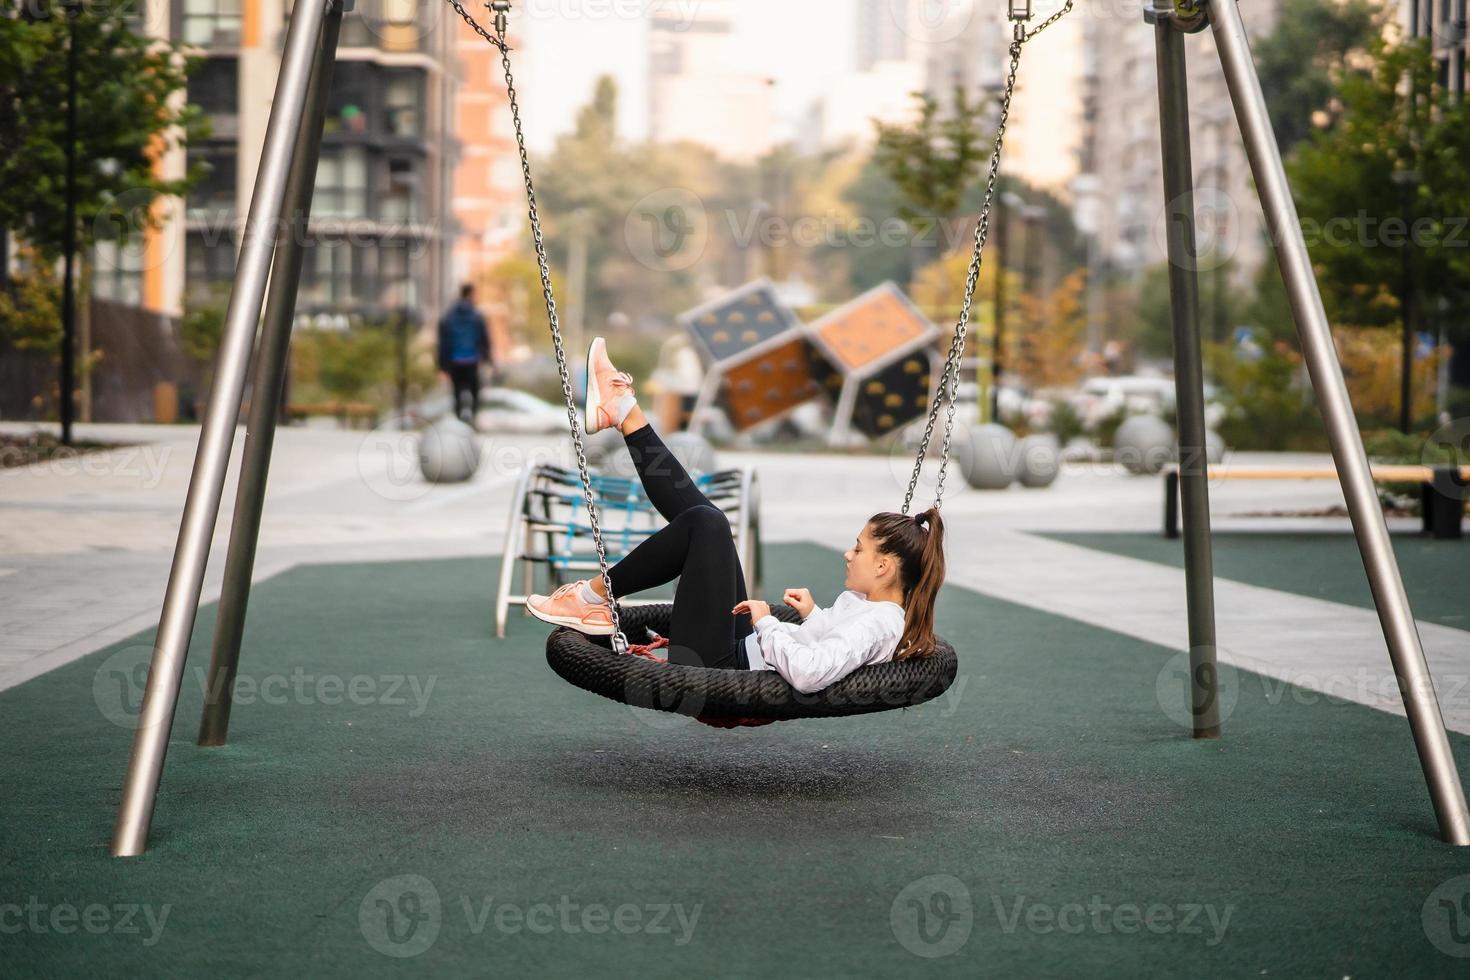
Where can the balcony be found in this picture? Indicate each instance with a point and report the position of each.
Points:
(393, 26)
(376, 105)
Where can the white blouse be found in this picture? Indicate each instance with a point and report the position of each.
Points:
(829, 644)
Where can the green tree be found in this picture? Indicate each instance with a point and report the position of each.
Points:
(932, 161)
(879, 254)
(1362, 220)
(127, 117)
(30, 305)
(1300, 60)
(1154, 335)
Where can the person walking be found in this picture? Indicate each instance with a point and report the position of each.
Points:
(464, 344)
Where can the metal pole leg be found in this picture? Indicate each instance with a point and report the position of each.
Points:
(1399, 629)
(270, 371)
(1194, 494)
(201, 507)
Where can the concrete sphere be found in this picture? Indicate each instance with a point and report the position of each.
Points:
(448, 452)
(1039, 461)
(1144, 444)
(693, 450)
(986, 456)
(1214, 447)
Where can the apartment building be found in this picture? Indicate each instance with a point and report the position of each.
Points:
(1120, 141)
(417, 187)
(1444, 23)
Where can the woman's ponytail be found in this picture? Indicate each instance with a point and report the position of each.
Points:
(918, 544)
(918, 620)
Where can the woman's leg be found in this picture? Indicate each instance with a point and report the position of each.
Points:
(697, 549)
(669, 486)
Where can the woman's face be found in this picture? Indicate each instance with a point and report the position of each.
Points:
(868, 569)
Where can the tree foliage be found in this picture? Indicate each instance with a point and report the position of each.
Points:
(1362, 223)
(127, 118)
(933, 161)
(1300, 59)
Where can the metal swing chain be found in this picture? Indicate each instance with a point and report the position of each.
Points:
(949, 380)
(619, 640)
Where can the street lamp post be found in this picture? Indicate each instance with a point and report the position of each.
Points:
(69, 233)
(1407, 181)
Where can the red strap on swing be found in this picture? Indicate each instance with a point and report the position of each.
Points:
(645, 650)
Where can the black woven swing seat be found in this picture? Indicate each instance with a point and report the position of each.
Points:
(738, 695)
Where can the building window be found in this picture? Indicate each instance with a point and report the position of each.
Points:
(212, 200)
(351, 95)
(399, 28)
(209, 262)
(210, 23)
(117, 269)
(400, 202)
(215, 88)
(341, 184)
(403, 100)
(399, 263)
(331, 275)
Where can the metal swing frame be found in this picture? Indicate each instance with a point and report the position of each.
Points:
(269, 267)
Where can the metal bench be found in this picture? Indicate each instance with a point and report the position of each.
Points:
(1442, 489)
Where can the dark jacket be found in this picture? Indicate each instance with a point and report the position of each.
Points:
(464, 336)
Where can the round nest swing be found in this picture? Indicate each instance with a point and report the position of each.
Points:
(729, 698)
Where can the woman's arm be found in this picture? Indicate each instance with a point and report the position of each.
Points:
(811, 665)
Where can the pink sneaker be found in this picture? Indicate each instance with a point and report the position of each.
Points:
(566, 607)
(607, 387)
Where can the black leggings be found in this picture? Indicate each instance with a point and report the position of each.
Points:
(696, 548)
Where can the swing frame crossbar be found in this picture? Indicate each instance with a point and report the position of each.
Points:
(264, 295)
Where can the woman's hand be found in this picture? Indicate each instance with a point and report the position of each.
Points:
(757, 608)
(801, 600)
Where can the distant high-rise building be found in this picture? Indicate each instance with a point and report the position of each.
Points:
(697, 88)
(488, 203)
(1444, 23)
(883, 31)
(1120, 141)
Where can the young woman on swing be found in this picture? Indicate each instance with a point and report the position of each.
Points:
(894, 571)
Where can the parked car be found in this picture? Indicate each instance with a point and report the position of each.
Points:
(512, 410)
(1138, 394)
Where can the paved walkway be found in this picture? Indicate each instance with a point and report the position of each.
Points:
(85, 545)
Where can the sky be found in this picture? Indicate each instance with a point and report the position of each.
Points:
(570, 43)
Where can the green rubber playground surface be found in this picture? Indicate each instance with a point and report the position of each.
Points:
(403, 793)
(1319, 565)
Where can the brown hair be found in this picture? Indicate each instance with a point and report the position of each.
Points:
(918, 544)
